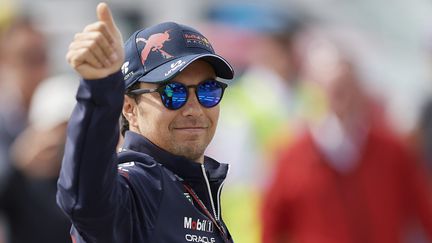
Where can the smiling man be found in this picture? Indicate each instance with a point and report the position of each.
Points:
(160, 187)
(185, 132)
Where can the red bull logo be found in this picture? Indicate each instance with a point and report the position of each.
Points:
(154, 43)
(197, 40)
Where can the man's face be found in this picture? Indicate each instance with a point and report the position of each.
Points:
(25, 60)
(186, 131)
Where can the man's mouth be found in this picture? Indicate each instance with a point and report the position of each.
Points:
(190, 128)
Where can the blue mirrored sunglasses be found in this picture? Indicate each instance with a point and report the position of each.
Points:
(174, 94)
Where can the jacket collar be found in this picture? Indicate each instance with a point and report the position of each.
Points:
(179, 165)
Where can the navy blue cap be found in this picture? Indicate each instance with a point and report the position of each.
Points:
(158, 53)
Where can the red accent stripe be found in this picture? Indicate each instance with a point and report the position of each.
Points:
(73, 239)
(206, 211)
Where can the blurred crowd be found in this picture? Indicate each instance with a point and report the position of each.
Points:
(314, 156)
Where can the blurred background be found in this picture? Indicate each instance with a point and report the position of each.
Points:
(346, 82)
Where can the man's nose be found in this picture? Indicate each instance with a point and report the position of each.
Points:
(192, 106)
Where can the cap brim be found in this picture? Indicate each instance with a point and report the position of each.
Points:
(170, 69)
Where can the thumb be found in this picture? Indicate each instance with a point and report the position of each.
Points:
(104, 14)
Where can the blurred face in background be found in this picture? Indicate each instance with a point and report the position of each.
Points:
(327, 67)
(344, 92)
(24, 59)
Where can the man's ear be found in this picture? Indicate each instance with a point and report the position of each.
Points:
(129, 111)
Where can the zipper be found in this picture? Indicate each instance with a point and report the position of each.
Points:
(209, 191)
(219, 194)
(218, 200)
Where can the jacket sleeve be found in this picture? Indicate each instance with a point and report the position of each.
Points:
(90, 190)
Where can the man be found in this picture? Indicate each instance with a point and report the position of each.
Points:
(165, 189)
(348, 178)
(23, 65)
(34, 173)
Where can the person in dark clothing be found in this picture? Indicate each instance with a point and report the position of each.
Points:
(28, 197)
(160, 187)
(23, 65)
(30, 210)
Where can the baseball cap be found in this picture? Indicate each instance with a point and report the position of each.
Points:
(158, 53)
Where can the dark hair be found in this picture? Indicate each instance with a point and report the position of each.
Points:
(124, 123)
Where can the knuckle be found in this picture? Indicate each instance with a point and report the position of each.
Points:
(86, 51)
(109, 50)
(73, 62)
(93, 45)
(97, 63)
(99, 36)
(101, 25)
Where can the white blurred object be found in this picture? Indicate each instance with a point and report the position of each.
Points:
(341, 149)
(53, 101)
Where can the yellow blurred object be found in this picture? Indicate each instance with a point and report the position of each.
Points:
(7, 12)
(241, 208)
(241, 203)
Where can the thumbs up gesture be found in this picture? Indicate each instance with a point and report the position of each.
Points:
(97, 51)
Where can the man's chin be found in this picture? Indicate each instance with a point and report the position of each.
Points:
(190, 134)
(191, 149)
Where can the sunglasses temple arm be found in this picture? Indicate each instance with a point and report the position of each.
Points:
(142, 91)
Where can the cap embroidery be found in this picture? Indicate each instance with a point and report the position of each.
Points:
(194, 39)
(154, 43)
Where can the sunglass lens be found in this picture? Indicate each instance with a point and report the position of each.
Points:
(174, 96)
(209, 93)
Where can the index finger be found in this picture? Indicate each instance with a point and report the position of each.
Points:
(101, 27)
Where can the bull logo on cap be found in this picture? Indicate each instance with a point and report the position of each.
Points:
(154, 43)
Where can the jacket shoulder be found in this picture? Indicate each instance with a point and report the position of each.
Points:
(139, 169)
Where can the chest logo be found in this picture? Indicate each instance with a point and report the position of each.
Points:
(198, 224)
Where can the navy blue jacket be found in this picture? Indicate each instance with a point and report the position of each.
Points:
(138, 194)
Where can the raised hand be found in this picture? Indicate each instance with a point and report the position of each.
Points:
(97, 51)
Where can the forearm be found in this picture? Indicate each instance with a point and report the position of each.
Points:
(89, 170)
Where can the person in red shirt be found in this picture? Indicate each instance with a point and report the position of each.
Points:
(348, 178)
